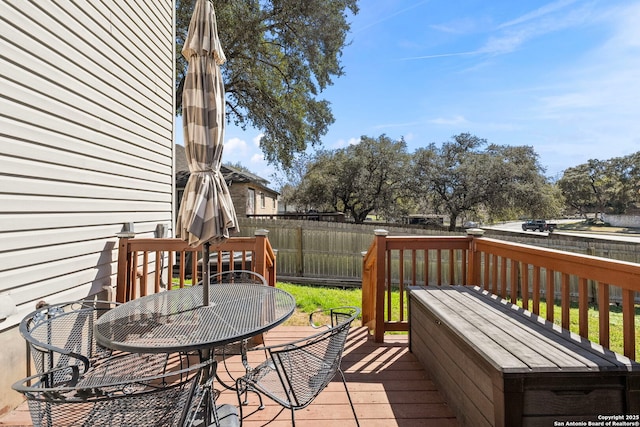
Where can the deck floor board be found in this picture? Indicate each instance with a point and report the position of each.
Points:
(388, 385)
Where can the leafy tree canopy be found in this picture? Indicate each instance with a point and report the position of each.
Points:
(603, 185)
(357, 180)
(280, 55)
(467, 175)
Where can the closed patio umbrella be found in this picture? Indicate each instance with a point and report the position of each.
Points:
(206, 212)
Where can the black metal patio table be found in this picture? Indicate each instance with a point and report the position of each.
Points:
(178, 321)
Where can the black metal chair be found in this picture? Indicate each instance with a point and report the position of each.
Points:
(61, 335)
(64, 397)
(296, 372)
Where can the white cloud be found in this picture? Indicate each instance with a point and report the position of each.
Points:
(459, 26)
(455, 120)
(541, 11)
(258, 159)
(235, 146)
(510, 36)
(256, 139)
(342, 143)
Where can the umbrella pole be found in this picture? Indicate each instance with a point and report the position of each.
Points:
(206, 274)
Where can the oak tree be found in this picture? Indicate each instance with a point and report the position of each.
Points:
(281, 54)
(360, 179)
(467, 175)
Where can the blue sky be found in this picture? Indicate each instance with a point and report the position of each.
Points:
(561, 76)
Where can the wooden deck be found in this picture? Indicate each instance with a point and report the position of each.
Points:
(387, 383)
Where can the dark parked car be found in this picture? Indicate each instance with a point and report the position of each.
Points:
(538, 225)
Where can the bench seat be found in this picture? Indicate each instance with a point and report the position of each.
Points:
(499, 365)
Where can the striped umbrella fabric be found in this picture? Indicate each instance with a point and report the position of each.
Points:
(206, 212)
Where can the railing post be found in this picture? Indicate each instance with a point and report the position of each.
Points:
(474, 269)
(123, 276)
(259, 260)
(380, 282)
(368, 289)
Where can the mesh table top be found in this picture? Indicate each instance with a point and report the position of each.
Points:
(176, 320)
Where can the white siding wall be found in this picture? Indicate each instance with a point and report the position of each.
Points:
(86, 141)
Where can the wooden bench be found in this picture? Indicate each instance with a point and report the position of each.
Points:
(499, 365)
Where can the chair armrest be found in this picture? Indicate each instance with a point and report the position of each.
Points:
(44, 347)
(52, 379)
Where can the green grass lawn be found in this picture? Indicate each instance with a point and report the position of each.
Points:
(311, 298)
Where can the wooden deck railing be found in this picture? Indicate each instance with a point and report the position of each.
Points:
(148, 265)
(529, 276)
(395, 262)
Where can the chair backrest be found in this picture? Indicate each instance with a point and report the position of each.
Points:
(62, 334)
(58, 398)
(238, 276)
(306, 366)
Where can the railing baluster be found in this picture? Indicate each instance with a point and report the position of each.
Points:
(494, 274)
(525, 285)
(134, 274)
(486, 258)
(145, 271)
(182, 268)
(451, 268)
(550, 294)
(628, 323)
(503, 277)
(463, 263)
(413, 267)
(171, 255)
(603, 312)
(514, 282)
(426, 267)
(565, 303)
(583, 307)
(439, 265)
(158, 273)
(536, 289)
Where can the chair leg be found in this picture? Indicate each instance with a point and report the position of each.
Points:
(245, 389)
(349, 397)
(240, 403)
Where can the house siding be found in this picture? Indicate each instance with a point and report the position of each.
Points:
(240, 197)
(86, 130)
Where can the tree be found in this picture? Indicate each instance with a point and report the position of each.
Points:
(623, 179)
(462, 176)
(578, 189)
(603, 185)
(524, 189)
(357, 180)
(291, 183)
(280, 55)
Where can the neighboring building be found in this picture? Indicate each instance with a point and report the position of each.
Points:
(250, 193)
(87, 119)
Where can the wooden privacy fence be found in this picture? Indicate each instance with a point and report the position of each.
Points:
(329, 251)
(149, 265)
(332, 251)
(529, 276)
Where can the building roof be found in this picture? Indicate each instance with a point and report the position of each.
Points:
(230, 173)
